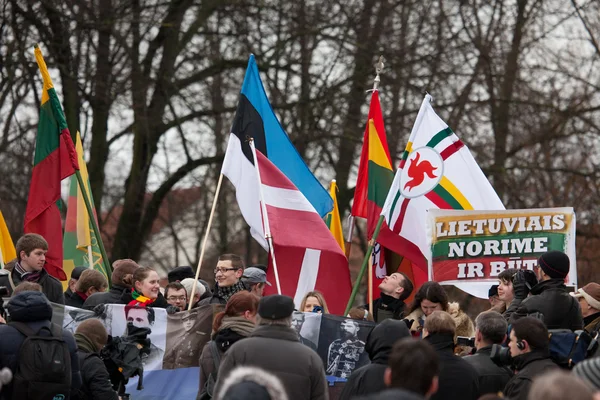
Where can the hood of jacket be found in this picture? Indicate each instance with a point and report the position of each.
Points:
(29, 306)
(252, 383)
(521, 361)
(84, 343)
(441, 341)
(382, 338)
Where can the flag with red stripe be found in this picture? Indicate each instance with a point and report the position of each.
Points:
(436, 171)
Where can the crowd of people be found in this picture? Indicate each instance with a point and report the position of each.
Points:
(428, 349)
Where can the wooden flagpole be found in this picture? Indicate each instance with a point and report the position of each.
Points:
(265, 216)
(91, 257)
(370, 283)
(1, 259)
(202, 250)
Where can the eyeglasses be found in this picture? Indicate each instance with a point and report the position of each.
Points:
(223, 269)
(173, 298)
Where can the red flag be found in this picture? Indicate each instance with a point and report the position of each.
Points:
(55, 159)
(308, 257)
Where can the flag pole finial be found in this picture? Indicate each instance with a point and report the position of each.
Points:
(378, 68)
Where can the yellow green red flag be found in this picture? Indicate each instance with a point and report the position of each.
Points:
(7, 248)
(333, 220)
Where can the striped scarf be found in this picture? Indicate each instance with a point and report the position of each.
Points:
(139, 300)
(25, 275)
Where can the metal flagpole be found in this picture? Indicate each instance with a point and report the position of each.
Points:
(265, 216)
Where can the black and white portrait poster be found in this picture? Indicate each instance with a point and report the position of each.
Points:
(308, 326)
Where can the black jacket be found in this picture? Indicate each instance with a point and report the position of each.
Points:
(33, 309)
(73, 299)
(492, 377)
(458, 379)
(277, 350)
(528, 366)
(369, 379)
(389, 303)
(550, 298)
(51, 286)
(392, 394)
(96, 383)
(112, 296)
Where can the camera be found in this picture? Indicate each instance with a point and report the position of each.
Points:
(465, 341)
(501, 355)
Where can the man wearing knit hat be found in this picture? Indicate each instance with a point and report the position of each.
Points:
(589, 301)
(274, 346)
(549, 297)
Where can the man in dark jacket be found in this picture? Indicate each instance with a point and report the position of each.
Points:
(228, 272)
(29, 266)
(91, 337)
(393, 291)
(529, 350)
(369, 379)
(274, 346)
(70, 295)
(549, 297)
(490, 329)
(121, 269)
(33, 309)
(457, 379)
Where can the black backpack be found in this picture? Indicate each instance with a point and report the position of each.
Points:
(43, 369)
(208, 391)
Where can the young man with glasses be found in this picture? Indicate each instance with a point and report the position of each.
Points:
(176, 295)
(228, 273)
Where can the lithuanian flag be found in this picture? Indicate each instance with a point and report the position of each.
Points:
(333, 220)
(81, 246)
(54, 160)
(7, 248)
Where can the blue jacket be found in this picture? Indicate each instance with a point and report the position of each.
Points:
(35, 310)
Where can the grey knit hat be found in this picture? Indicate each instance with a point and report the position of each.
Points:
(589, 371)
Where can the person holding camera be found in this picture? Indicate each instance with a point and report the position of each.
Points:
(549, 296)
(490, 329)
(529, 350)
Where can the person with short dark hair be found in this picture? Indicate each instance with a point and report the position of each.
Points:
(370, 378)
(91, 337)
(228, 272)
(176, 295)
(490, 329)
(457, 379)
(29, 266)
(529, 350)
(549, 296)
(90, 282)
(559, 385)
(394, 289)
(275, 347)
(70, 292)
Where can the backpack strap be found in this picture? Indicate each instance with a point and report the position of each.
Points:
(23, 328)
(216, 355)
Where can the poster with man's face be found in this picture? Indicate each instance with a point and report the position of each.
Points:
(308, 326)
(342, 344)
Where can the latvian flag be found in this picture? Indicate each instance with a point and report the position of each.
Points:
(437, 171)
(307, 255)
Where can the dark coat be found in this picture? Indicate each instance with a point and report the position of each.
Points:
(369, 379)
(389, 303)
(492, 377)
(51, 286)
(592, 323)
(392, 394)
(550, 298)
(96, 383)
(528, 366)
(458, 379)
(73, 299)
(33, 309)
(277, 350)
(112, 296)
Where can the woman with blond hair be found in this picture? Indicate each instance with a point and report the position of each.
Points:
(314, 302)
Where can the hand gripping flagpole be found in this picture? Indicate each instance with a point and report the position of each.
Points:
(265, 216)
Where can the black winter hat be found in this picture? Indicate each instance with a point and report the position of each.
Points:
(275, 307)
(180, 273)
(493, 291)
(555, 264)
(77, 271)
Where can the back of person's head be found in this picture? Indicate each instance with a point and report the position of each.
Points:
(440, 322)
(589, 371)
(123, 270)
(178, 274)
(95, 332)
(29, 306)
(246, 382)
(90, 278)
(559, 385)
(381, 339)
(26, 286)
(533, 331)
(237, 305)
(275, 310)
(413, 365)
(30, 242)
(432, 291)
(492, 326)
(188, 284)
